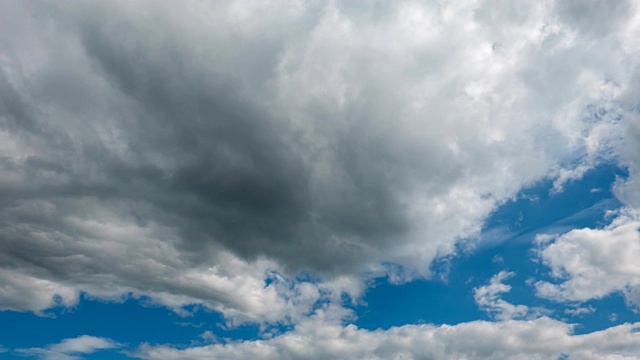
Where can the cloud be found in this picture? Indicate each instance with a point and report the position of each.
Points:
(593, 263)
(71, 349)
(629, 152)
(542, 338)
(580, 311)
(568, 175)
(188, 154)
(22, 293)
(488, 298)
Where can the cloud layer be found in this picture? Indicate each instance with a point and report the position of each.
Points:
(542, 338)
(207, 154)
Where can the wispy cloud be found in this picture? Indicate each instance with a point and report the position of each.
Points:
(71, 349)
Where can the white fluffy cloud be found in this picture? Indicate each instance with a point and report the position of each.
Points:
(189, 154)
(71, 349)
(592, 263)
(488, 298)
(314, 338)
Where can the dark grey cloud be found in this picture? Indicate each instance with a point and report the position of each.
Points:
(229, 171)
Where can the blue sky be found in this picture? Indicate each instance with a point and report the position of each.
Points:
(319, 180)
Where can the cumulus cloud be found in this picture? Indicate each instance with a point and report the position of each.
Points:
(71, 349)
(189, 154)
(592, 263)
(488, 298)
(315, 338)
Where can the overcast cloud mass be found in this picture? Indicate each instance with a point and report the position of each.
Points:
(268, 160)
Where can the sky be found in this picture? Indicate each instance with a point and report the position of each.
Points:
(319, 179)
